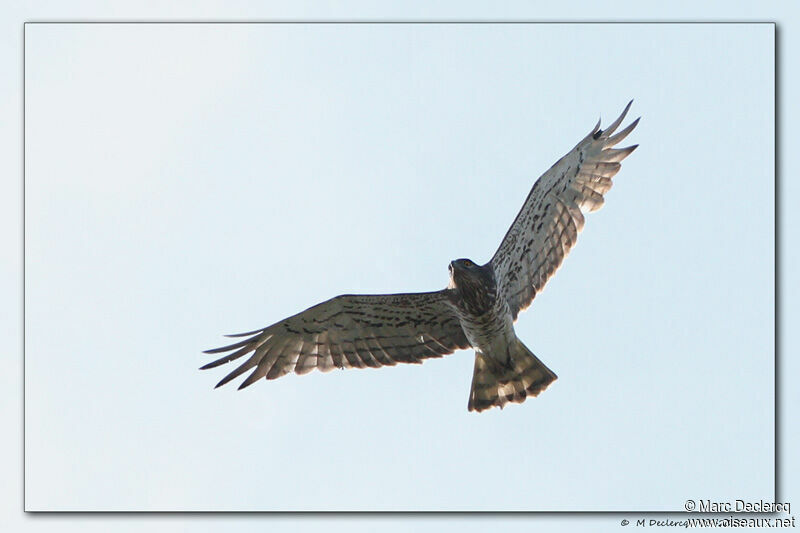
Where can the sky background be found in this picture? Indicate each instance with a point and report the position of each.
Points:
(215, 255)
(193, 180)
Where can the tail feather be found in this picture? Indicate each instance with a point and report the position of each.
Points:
(494, 384)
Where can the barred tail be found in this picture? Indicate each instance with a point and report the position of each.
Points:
(495, 383)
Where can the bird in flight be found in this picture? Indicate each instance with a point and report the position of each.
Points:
(477, 309)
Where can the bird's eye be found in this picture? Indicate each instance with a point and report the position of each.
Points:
(468, 263)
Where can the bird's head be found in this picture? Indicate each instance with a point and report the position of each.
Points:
(465, 272)
(475, 285)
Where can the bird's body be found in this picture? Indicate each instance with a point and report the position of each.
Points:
(489, 333)
(484, 317)
(505, 370)
(477, 309)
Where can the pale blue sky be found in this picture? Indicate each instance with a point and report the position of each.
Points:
(188, 181)
(207, 179)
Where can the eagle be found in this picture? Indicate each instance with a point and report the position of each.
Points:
(476, 310)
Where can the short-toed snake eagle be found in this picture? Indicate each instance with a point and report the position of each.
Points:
(477, 309)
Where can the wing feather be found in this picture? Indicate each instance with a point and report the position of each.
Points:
(548, 224)
(349, 331)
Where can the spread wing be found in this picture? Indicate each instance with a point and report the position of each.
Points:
(349, 331)
(548, 224)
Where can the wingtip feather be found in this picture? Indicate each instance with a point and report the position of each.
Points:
(249, 381)
(596, 127)
(614, 139)
(614, 125)
(229, 347)
(245, 334)
(227, 379)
